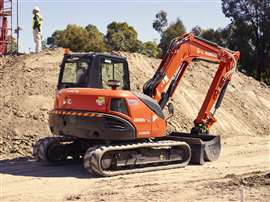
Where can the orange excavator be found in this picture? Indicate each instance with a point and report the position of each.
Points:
(97, 118)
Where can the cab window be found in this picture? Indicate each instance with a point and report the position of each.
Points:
(113, 70)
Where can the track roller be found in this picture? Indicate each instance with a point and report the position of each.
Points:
(134, 158)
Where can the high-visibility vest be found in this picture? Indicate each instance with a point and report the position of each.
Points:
(37, 22)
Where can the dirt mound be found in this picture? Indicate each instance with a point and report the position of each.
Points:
(28, 84)
(27, 87)
(247, 180)
(247, 185)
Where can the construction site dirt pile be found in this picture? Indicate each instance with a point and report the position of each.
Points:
(27, 94)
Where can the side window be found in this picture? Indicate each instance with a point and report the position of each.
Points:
(69, 75)
(112, 70)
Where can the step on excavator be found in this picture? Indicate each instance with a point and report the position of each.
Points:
(98, 119)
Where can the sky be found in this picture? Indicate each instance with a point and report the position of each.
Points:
(138, 13)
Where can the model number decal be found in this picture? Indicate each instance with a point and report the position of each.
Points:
(141, 120)
(146, 132)
(67, 101)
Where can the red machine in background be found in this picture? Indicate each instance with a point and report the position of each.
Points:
(5, 13)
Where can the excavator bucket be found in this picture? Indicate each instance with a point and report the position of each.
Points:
(204, 147)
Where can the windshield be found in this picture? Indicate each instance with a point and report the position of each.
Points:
(88, 71)
(113, 70)
(75, 73)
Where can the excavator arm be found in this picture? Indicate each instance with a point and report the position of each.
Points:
(182, 51)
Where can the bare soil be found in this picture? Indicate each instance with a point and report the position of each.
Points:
(243, 165)
(27, 86)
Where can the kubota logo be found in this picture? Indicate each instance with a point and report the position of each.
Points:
(210, 54)
(100, 101)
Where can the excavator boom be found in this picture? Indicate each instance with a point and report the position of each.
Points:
(182, 51)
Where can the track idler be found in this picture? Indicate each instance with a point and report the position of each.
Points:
(135, 158)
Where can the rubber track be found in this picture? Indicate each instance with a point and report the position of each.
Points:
(93, 156)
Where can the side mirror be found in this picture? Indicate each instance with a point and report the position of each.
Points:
(170, 108)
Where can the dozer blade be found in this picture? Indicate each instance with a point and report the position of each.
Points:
(56, 150)
(135, 158)
(204, 147)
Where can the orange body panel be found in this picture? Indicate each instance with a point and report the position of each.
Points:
(145, 121)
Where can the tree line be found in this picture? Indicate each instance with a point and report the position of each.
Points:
(119, 37)
(248, 32)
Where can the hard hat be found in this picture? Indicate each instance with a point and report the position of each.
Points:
(36, 9)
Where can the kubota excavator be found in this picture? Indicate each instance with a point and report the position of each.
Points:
(116, 131)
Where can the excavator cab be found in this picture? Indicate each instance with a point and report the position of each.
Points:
(93, 70)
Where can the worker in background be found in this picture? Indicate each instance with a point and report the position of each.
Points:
(37, 28)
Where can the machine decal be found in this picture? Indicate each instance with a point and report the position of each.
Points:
(161, 157)
(108, 61)
(145, 132)
(166, 79)
(72, 113)
(72, 90)
(139, 120)
(132, 101)
(154, 117)
(67, 101)
(200, 51)
(100, 101)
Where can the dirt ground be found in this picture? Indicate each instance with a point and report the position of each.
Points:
(243, 165)
(243, 170)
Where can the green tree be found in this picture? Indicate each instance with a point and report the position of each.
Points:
(197, 30)
(150, 49)
(96, 39)
(238, 38)
(217, 36)
(251, 19)
(174, 30)
(161, 22)
(53, 40)
(122, 37)
(74, 37)
(167, 33)
(78, 39)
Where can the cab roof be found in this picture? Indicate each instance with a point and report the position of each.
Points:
(90, 54)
